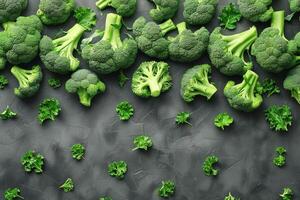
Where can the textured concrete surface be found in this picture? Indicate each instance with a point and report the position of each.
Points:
(245, 150)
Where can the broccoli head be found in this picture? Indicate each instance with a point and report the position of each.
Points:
(256, 10)
(199, 12)
(150, 37)
(53, 12)
(19, 42)
(273, 52)
(165, 9)
(292, 83)
(86, 84)
(57, 55)
(227, 52)
(111, 53)
(11, 9)
(125, 8)
(29, 80)
(294, 5)
(188, 46)
(151, 79)
(244, 96)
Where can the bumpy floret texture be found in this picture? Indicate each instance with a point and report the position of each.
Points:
(292, 83)
(11, 9)
(125, 8)
(256, 10)
(294, 5)
(165, 9)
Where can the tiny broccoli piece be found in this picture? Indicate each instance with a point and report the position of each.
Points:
(230, 197)
(164, 10)
(208, 166)
(86, 84)
(167, 189)
(287, 194)
(68, 185)
(11, 9)
(199, 12)
(151, 79)
(256, 10)
(292, 83)
(279, 117)
(269, 87)
(125, 8)
(12, 194)
(230, 16)
(3, 81)
(7, 114)
(183, 118)
(125, 110)
(117, 169)
(105, 198)
(294, 5)
(142, 142)
(222, 120)
(226, 52)
(49, 109)
(279, 159)
(29, 80)
(32, 161)
(54, 83)
(122, 79)
(78, 151)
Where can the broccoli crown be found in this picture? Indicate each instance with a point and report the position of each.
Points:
(292, 83)
(195, 81)
(165, 9)
(151, 79)
(256, 10)
(19, 42)
(294, 5)
(11, 9)
(29, 80)
(57, 55)
(111, 53)
(150, 37)
(53, 12)
(244, 96)
(199, 12)
(86, 84)
(227, 52)
(125, 8)
(188, 46)
(273, 52)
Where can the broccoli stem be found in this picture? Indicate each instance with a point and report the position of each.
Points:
(84, 98)
(154, 87)
(21, 75)
(112, 30)
(207, 90)
(249, 83)
(278, 21)
(181, 27)
(167, 26)
(102, 4)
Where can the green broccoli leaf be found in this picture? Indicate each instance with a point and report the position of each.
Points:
(54, 83)
(78, 151)
(68, 185)
(142, 142)
(183, 118)
(122, 79)
(86, 17)
(3, 81)
(49, 109)
(230, 197)
(208, 166)
(117, 169)
(105, 198)
(287, 194)
(12, 193)
(222, 120)
(269, 87)
(167, 189)
(279, 160)
(229, 17)
(125, 110)
(7, 114)
(279, 117)
(32, 161)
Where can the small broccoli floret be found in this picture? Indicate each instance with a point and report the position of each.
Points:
(243, 96)
(125, 8)
(164, 10)
(11, 9)
(57, 55)
(195, 82)
(227, 52)
(29, 80)
(53, 12)
(294, 5)
(199, 12)
(150, 37)
(151, 79)
(188, 46)
(86, 84)
(111, 53)
(256, 10)
(292, 83)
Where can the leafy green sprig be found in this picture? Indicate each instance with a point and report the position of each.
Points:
(230, 16)
(279, 160)
(223, 120)
(183, 118)
(32, 161)
(208, 166)
(167, 189)
(68, 185)
(78, 151)
(125, 110)
(279, 117)
(142, 142)
(12, 193)
(49, 109)
(117, 169)
(8, 113)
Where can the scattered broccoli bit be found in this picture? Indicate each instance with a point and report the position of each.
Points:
(49, 109)
(68, 185)
(7, 114)
(222, 120)
(257, 10)
(122, 79)
(183, 118)
(3, 81)
(227, 52)
(294, 5)
(54, 83)
(29, 80)
(125, 110)
(195, 82)
(230, 16)
(230, 197)
(11, 9)
(279, 160)
(167, 189)
(268, 87)
(86, 84)
(164, 10)
(117, 169)
(105, 198)
(287, 194)
(279, 117)
(142, 142)
(292, 83)
(12, 194)
(208, 166)
(33, 161)
(125, 8)
(151, 79)
(78, 151)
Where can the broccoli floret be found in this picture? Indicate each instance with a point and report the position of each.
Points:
(256, 10)
(273, 52)
(125, 8)
(164, 10)
(150, 37)
(151, 79)
(19, 42)
(292, 83)
(227, 52)
(57, 55)
(86, 84)
(111, 53)
(188, 46)
(11, 9)
(199, 12)
(53, 12)
(195, 81)
(243, 96)
(29, 80)
(294, 5)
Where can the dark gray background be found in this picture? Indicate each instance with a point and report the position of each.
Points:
(245, 150)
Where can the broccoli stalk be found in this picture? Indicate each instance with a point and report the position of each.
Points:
(102, 4)
(112, 30)
(167, 26)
